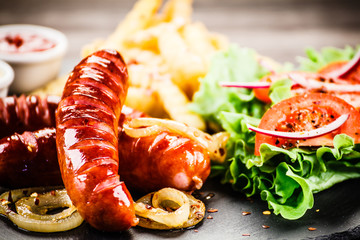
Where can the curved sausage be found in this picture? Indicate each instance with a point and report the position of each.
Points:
(29, 160)
(164, 160)
(86, 137)
(26, 113)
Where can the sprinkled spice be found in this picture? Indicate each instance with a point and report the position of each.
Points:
(246, 234)
(267, 212)
(212, 210)
(37, 201)
(209, 196)
(195, 230)
(245, 213)
(312, 229)
(265, 226)
(209, 217)
(199, 215)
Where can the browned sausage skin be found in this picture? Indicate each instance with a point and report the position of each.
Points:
(29, 160)
(86, 137)
(163, 160)
(26, 113)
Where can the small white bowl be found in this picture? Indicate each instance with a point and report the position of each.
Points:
(35, 68)
(6, 78)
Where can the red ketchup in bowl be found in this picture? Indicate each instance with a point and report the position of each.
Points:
(24, 43)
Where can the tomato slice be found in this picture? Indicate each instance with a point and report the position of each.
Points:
(352, 76)
(263, 93)
(331, 67)
(304, 113)
(350, 97)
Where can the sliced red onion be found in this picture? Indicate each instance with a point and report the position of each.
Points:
(353, 63)
(303, 135)
(330, 87)
(246, 84)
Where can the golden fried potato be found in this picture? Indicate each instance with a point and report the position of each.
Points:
(166, 54)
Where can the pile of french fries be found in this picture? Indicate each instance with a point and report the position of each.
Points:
(166, 53)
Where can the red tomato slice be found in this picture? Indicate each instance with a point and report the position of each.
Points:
(263, 93)
(331, 67)
(350, 97)
(353, 76)
(304, 113)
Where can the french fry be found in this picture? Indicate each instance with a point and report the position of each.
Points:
(145, 100)
(166, 54)
(139, 18)
(219, 41)
(185, 67)
(178, 11)
(176, 103)
(197, 39)
(146, 39)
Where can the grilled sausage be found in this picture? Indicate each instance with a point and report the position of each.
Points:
(26, 113)
(163, 160)
(86, 137)
(29, 160)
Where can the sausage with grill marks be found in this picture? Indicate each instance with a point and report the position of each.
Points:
(86, 137)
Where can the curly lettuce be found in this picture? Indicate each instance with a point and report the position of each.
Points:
(286, 179)
(315, 60)
(235, 65)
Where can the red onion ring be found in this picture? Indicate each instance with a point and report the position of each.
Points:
(340, 73)
(306, 134)
(330, 87)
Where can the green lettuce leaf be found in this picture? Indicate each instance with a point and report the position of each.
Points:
(285, 179)
(315, 60)
(235, 65)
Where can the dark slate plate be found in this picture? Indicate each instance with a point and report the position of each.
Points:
(338, 217)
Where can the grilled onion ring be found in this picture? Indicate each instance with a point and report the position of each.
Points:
(32, 206)
(169, 209)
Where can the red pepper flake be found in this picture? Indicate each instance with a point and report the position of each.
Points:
(311, 229)
(246, 234)
(209, 217)
(212, 210)
(195, 230)
(245, 213)
(265, 226)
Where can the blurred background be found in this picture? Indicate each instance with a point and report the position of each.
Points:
(280, 29)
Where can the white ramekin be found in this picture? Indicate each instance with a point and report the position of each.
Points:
(6, 78)
(34, 69)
